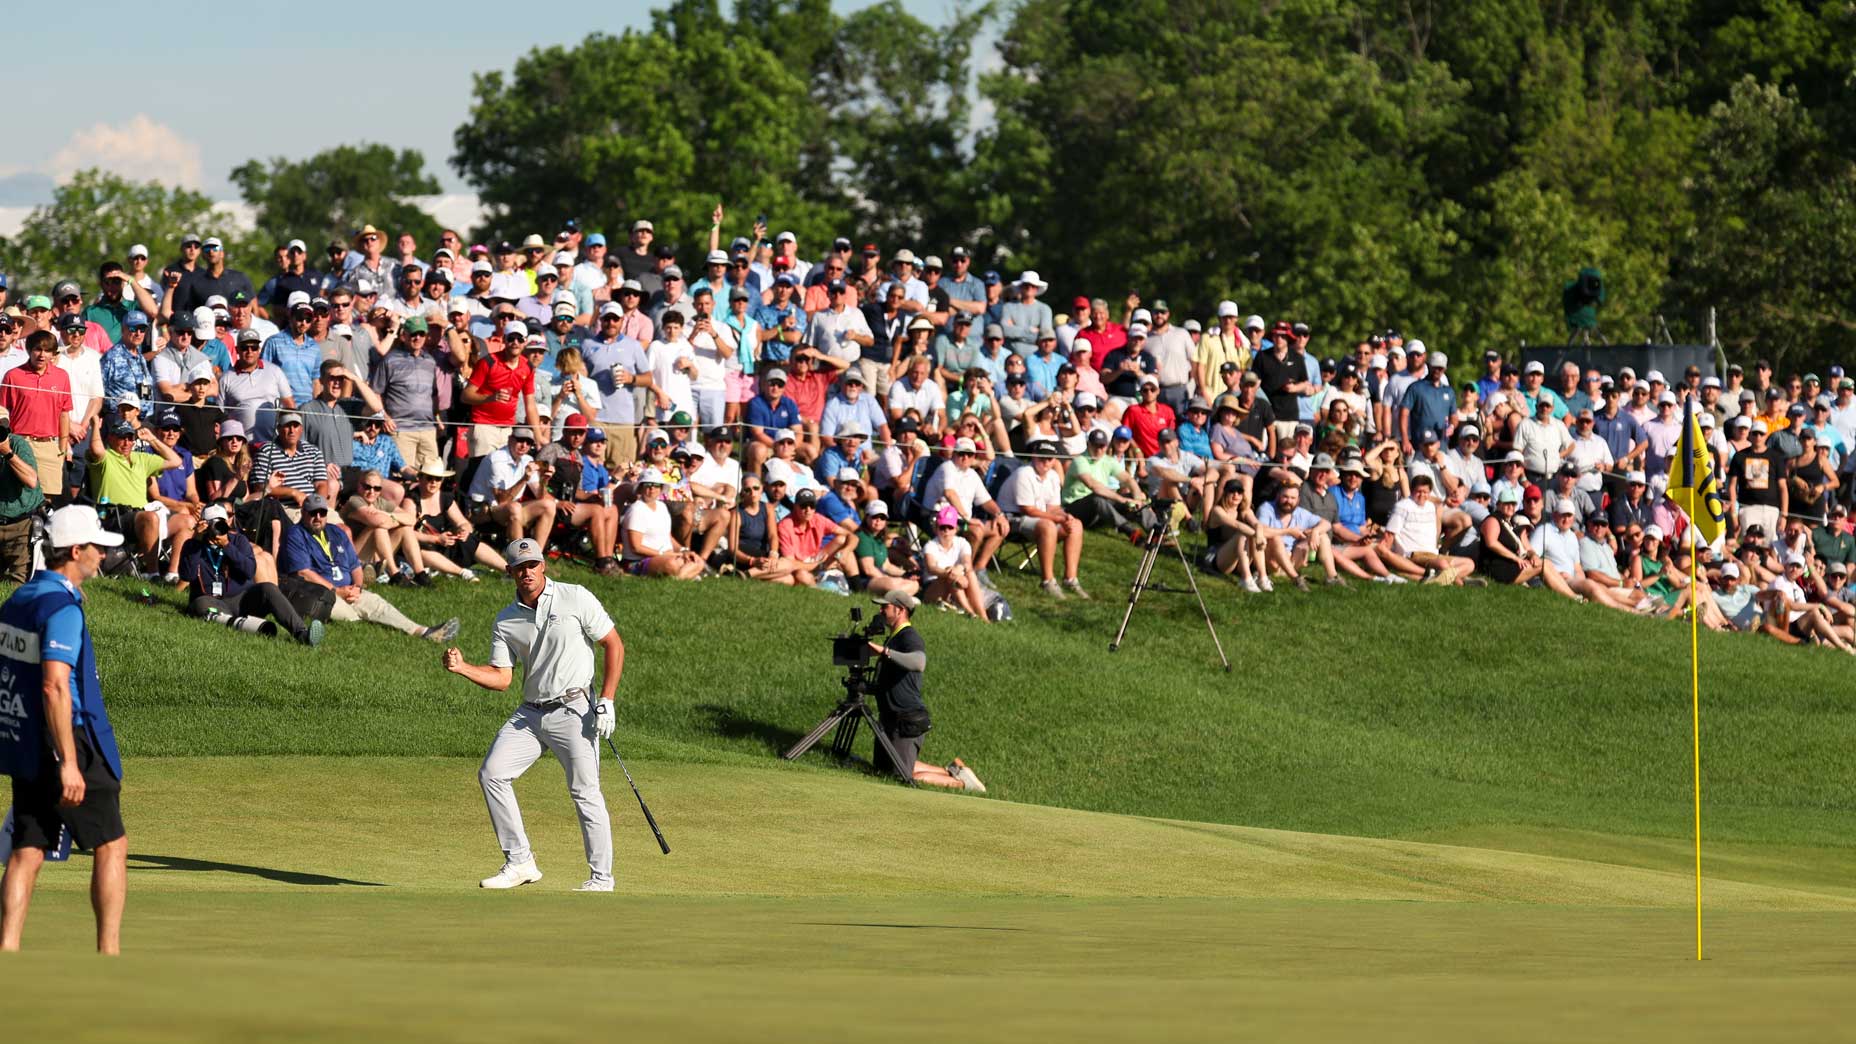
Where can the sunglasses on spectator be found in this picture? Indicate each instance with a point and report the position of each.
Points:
(315, 514)
(372, 489)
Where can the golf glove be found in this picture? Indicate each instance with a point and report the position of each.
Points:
(604, 719)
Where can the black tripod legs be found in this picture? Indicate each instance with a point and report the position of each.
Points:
(1143, 581)
(846, 719)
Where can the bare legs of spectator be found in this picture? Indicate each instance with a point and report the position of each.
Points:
(757, 453)
(883, 584)
(677, 565)
(959, 586)
(808, 447)
(531, 518)
(1398, 563)
(180, 528)
(601, 523)
(995, 430)
(1048, 535)
(1240, 554)
(1355, 560)
(715, 522)
(987, 534)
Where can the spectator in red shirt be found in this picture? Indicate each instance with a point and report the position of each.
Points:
(38, 397)
(1148, 417)
(495, 383)
(808, 384)
(1102, 335)
(814, 541)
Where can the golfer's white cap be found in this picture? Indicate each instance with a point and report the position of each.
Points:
(78, 524)
(522, 551)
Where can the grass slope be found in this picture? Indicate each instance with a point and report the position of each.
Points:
(1391, 712)
(328, 899)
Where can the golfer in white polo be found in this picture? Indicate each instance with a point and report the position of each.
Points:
(551, 628)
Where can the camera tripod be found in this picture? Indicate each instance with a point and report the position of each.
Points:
(851, 712)
(1144, 581)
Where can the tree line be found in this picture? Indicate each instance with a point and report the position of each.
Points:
(1439, 167)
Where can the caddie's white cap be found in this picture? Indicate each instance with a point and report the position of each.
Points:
(77, 524)
(523, 550)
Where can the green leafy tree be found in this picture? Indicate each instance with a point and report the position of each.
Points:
(96, 216)
(1774, 235)
(662, 125)
(336, 191)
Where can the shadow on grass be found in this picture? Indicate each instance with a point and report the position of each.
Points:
(944, 927)
(730, 723)
(142, 861)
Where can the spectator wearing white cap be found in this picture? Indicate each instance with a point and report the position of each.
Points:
(1024, 316)
(1427, 405)
(211, 277)
(1790, 614)
(1224, 344)
(1737, 602)
(510, 489)
(959, 484)
(1590, 455)
(1542, 441)
(1032, 500)
(1534, 389)
(1664, 430)
(292, 350)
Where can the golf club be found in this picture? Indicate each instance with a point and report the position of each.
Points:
(642, 807)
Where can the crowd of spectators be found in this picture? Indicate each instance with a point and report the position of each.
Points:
(865, 419)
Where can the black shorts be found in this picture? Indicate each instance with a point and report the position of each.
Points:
(908, 748)
(38, 819)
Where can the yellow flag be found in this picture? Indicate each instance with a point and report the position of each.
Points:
(1693, 486)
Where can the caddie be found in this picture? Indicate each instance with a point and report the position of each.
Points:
(551, 629)
(55, 737)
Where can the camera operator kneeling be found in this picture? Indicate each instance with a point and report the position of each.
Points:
(221, 574)
(904, 717)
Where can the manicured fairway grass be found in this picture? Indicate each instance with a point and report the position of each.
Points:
(332, 899)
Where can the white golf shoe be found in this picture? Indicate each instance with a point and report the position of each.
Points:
(513, 875)
(595, 884)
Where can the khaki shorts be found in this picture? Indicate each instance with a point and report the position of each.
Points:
(621, 442)
(419, 448)
(486, 439)
(50, 461)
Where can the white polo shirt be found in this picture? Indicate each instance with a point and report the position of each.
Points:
(554, 640)
(1028, 489)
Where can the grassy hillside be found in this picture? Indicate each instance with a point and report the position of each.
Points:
(1393, 712)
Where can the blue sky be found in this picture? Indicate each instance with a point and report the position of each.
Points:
(144, 98)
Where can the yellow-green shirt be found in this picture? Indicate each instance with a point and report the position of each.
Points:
(115, 479)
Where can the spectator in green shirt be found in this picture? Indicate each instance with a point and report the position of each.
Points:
(1833, 540)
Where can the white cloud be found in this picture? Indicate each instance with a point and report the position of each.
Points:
(140, 148)
(462, 211)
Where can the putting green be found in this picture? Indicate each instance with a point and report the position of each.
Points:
(335, 899)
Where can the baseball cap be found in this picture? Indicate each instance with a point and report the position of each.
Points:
(1124, 432)
(1098, 437)
(1636, 478)
(1227, 309)
(1536, 366)
(77, 524)
(289, 417)
(315, 502)
(1730, 569)
(1438, 360)
(775, 374)
(1254, 322)
(965, 445)
(523, 551)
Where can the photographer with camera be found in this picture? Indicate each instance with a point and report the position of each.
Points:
(220, 571)
(902, 657)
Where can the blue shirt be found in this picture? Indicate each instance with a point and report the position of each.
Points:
(836, 509)
(1533, 401)
(1305, 404)
(302, 551)
(383, 456)
(593, 477)
(1487, 387)
(840, 411)
(616, 405)
(125, 372)
(300, 363)
(173, 483)
(1194, 440)
(769, 418)
(44, 620)
(769, 316)
(1300, 518)
(828, 465)
(1622, 433)
(1350, 508)
(1431, 406)
(1041, 375)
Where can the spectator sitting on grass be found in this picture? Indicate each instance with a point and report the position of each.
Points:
(386, 532)
(756, 540)
(1292, 535)
(1098, 490)
(290, 470)
(947, 569)
(1790, 611)
(590, 507)
(447, 539)
(1415, 531)
(960, 485)
(221, 570)
(649, 548)
(814, 542)
(321, 554)
(510, 490)
(1507, 558)
(876, 571)
(175, 490)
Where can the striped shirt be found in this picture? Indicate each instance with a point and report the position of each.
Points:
(301, 470)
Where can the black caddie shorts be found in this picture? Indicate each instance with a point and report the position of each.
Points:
(37, 817)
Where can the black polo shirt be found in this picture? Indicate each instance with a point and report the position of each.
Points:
(898, 691)
(1279, 373)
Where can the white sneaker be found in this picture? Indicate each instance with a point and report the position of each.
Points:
(961, 772)
(594, 884)
(1250, 584)
(1264, 583)
(1396, 579)
(513, 875)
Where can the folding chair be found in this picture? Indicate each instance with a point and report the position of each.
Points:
(998, 473)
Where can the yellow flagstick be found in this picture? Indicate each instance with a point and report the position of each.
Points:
(1694, 660)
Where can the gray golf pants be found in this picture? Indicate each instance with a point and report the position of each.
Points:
(569, 732)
